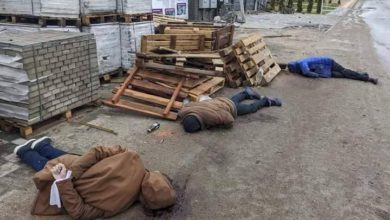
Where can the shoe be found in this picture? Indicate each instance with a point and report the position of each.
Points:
(252, 93)
(42, 140)
(274, 101)
(26, 145)
(373, 81)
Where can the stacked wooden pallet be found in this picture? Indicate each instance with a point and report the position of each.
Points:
(159, 83)
(249, 62)
(219, 36)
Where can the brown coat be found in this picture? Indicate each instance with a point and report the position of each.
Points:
(213, 112)
(106, 181)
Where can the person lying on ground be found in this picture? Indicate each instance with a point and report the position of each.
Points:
(326, 67)
(101, 183)
(222, 111)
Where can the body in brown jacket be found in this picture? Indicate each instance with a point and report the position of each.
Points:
(222, 111)
(105, 181)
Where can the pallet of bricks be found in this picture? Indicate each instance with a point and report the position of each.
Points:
(249, 62)
(45, 74)
(163, 78)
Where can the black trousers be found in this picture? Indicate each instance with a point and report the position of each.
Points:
(339, 71)
(243, 109)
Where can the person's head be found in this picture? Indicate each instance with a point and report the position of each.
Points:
(293, 67)
(191, 124)
(157, 192)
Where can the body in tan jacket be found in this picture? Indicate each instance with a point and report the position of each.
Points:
(222, 111)
(105, 181)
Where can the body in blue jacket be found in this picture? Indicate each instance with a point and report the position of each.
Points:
(326, 67)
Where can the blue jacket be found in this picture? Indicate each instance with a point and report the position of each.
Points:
(316, 66)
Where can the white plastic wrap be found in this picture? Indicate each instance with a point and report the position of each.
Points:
(108, 45)
(60, 8)
(20, 7)
(131, 40)
(98, 6)
(134, 6)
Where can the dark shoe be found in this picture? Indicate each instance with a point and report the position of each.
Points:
(252, 93)
(373, 81)
(40, 141)
(274, 101)
(26, 146)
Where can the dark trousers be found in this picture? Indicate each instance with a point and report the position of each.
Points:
(243, 109)
(38, 157)
(339, 71)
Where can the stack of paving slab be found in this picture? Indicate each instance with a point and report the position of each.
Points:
(117, 43)
(43, 74)
(134, 6)
(131, 35)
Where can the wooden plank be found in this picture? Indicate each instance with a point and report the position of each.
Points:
(270, 75)
(251, 39)
(167, 37)
(173, 98)
(209, 87)
(256, 48)
(155, 76)
(155, 89)
(172, 43)
(142, 108)
(173, 69)
(260, 57)
(124, 86)
(150, 98)
(201, 43)
(181, 55)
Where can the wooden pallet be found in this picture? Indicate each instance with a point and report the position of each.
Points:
(143, 101)
(42, 21)
(59, 22)
(25, 131)
(19, 19)
(131, 18)
(232, 69)
(256, 61)
(98, 19)
(221, 37)
(208, 88)
(106, 78)
(182, 42)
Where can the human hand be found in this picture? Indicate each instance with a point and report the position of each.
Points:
(59, 171)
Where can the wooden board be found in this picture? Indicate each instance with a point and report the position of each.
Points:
(207, 88)
(170, 79)
(182, 42)
(149, 98)
(221, 37)
(142, 108)
(155, 89)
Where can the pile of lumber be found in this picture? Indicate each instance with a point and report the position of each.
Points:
(249, 62)
(159, 83)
